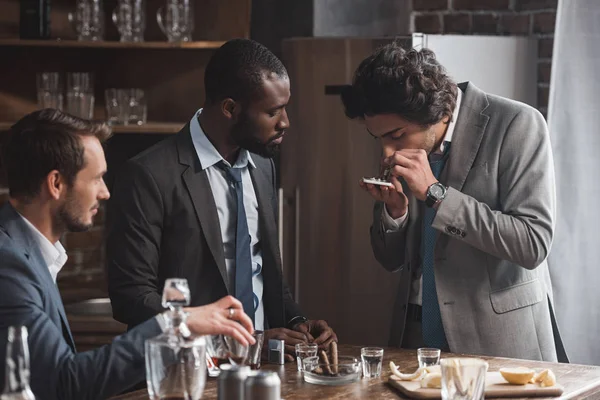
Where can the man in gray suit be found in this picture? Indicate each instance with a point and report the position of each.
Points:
(469, 220)
(55, 165)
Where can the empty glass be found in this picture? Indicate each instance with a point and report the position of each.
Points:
(49, 90)
(117, 104)
(428, 357)
(304, 350)
(176, 20)
(130, 19)
(88, 20)
(372, 359)
(463, 378)
(80, 94)
(137, 109)
(255, 350)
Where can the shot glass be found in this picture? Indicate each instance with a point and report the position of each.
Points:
(372, 358)
(428, 357)
(304, 350)
(254, 352)
(463, 378)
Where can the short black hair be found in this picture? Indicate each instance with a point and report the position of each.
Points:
(237, 70)
(409, 83)
(44, 141)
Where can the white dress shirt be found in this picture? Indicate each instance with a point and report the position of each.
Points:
(394, 225)
(225, 200)
(54, 255)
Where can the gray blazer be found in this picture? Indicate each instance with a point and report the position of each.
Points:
(495, 228)
(29, 296)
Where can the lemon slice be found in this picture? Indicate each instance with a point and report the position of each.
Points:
(517, 376)
(406, 377)
(434, 369)
(545, 378)
(432, 380)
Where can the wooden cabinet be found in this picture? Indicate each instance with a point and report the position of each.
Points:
(326, 216)
(172, 75)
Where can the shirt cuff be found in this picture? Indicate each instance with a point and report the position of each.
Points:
(390, 224)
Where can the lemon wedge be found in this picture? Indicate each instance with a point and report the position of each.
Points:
(432, 380)
(517, 376)
(545, 378)
(405, 377)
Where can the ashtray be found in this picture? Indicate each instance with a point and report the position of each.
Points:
(347, 370)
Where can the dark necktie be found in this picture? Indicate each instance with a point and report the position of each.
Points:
(243, 256)
(433, 329)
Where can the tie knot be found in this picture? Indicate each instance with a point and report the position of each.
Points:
(234, 174)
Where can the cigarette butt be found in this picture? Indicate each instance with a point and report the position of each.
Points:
(334, 356)
(326, 361)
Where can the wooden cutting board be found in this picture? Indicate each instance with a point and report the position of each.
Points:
(495, 386)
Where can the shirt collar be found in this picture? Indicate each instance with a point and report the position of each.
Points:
(54, 255)
(451, 124)
(208, 154)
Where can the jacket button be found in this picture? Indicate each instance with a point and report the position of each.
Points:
(449, 229)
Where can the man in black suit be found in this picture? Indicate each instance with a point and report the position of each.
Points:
(55, 165)
(202, 205)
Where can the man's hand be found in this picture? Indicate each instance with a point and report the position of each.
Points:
(318, 332)
(394, 198)
(292, 338)
(217, 319)
(413, 166)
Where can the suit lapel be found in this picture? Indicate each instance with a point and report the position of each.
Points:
(20, 233)
(467, 137)
(198, 186)
(272, 275)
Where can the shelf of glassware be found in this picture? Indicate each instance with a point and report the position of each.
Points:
(103, 44)
(149, 128)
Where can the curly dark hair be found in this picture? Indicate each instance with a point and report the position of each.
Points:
(236, 71)
(44, 141)
(409, 83)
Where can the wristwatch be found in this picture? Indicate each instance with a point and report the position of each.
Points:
(296, 320)
(435, 194)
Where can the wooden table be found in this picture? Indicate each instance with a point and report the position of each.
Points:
(579, 381)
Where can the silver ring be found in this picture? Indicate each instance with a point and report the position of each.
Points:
(231, 313)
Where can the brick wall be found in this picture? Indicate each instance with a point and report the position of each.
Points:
(494, 17)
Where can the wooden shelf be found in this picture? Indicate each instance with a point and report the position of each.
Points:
(150, 128)
(110, 44)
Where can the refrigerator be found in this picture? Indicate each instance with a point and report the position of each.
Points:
(324, 216)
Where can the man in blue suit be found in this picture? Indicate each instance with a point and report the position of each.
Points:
(55, 165)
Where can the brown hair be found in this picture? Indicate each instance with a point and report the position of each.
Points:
(44, 141)
(409, 83)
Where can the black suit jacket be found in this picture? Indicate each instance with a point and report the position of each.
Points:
(29, 297)
(162, 223)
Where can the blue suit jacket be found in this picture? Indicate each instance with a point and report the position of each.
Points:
(29, 296)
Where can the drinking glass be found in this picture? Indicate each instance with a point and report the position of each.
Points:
(117, 105)
(49, 90)
(137, 109)
(88, 20)
(463, 378)
(80, 94)
(130, 19)
(176, 20)
(428, 357)
(255, 350)
(372, 359)
(304, 350)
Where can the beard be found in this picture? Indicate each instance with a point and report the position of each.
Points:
(69, 216)
(243, 135)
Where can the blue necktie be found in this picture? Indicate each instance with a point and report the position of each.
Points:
(243, 255)
(433, 329)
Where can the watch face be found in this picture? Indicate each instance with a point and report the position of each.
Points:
(437, 191)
